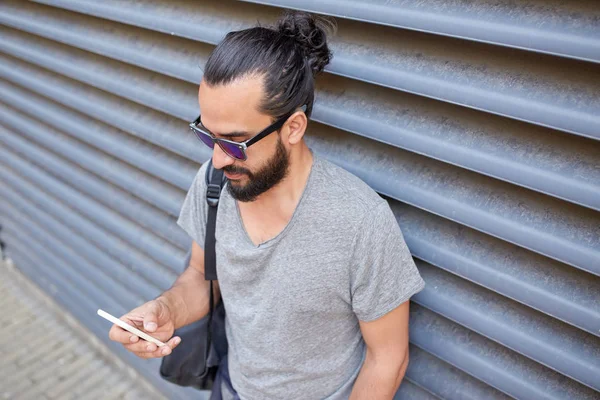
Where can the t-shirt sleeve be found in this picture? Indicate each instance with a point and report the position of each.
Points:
(384, 272)
(194, 210)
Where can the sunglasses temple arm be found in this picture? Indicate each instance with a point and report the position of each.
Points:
(267, 131)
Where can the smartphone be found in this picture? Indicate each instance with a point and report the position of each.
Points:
(130, 328)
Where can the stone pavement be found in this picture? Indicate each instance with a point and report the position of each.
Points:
(57, 358)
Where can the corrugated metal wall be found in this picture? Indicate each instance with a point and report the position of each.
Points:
(478, 120)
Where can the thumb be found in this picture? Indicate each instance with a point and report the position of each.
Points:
(151, 318)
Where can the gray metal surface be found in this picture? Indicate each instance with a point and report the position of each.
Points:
(478, 121)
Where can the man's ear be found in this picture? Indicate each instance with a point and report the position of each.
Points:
(297, 124)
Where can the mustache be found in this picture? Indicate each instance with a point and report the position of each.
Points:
(230, 169)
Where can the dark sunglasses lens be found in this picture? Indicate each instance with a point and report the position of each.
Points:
(233, 150)
(207, 140)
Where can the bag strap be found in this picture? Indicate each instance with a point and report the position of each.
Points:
(215, 181)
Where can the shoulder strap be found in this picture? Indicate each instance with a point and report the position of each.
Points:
(215, 181)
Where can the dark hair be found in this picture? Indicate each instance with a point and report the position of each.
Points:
(288, 56)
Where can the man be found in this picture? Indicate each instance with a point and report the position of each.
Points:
(313, 269)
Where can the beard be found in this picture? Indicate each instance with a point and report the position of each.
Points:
(275, 170)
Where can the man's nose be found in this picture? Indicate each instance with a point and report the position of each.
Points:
(221, 159)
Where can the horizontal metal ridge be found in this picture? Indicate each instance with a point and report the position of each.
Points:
(565, 293)
(445, 380)
(565, 349)
(553, 163)
(177, 17)
(490, 362)
(507, 82)
(163, 252)
(553, 27)
(408, 390)
(488, 205)
(55, 202)
(81, 250)
(80, 306)
(87, 177)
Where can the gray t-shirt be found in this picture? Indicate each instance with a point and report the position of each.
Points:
(293, 302)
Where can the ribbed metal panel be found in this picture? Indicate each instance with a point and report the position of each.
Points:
(478, 121)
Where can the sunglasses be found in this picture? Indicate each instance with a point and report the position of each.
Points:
(233, 149)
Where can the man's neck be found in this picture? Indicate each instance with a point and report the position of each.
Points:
(283, 198)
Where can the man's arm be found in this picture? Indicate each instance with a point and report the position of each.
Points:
(387, 355)
(188, 297)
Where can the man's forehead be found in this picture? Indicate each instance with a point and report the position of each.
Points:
(239, 96)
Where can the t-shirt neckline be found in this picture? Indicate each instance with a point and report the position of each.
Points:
(290, 223)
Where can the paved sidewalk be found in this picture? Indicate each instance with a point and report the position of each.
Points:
(40, 362)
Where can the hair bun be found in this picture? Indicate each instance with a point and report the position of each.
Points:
(310, 32)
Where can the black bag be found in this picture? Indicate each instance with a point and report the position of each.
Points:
(203, 343)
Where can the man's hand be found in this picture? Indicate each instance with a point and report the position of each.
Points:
(154, 318)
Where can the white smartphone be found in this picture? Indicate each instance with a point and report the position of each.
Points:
(130, 328)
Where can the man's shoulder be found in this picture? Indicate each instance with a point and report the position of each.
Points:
(345, 192)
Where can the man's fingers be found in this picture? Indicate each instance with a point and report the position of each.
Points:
(141, 346)
(166, 350)
(119, 334)
(173, 342)
(152, 350)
